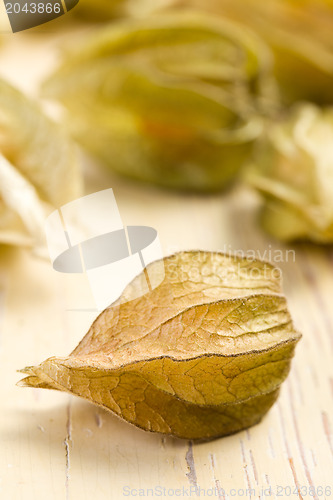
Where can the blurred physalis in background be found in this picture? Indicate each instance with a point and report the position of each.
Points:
(176, 100)
(293, 170)
(299, 33)
(104, 10)
(38, 168)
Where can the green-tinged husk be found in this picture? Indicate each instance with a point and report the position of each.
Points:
(293, 170)
(174, 100)
(104, 10)
(38, 168)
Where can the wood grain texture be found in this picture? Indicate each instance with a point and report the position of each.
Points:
(58, 447)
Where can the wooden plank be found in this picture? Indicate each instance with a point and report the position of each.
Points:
(32, 422)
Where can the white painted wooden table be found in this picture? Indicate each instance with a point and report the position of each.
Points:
(58, 447)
